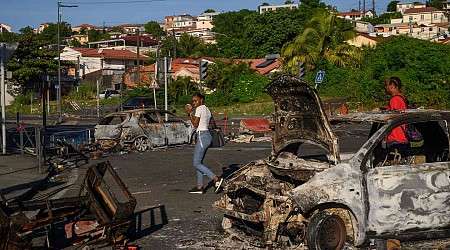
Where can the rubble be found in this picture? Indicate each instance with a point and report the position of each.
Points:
(101, 214)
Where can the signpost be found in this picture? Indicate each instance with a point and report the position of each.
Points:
(6, 52)
(319, 78)
(154, 86)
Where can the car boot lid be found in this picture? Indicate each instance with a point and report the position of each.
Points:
(299, 117)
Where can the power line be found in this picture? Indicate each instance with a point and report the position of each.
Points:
(116, 2)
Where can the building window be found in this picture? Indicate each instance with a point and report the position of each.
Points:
(431, 29)
(435, 15)
(422, 17)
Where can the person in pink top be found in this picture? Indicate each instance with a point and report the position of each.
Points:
(393, 87)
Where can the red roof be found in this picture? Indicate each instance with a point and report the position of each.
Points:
(352, 13)
(446, 40)
(87, 25)
(420, 10)
(255, 62)
(143, 39)
(109, 53)
(369, 37)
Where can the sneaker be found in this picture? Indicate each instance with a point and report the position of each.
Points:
(218, 185)
(196, 190)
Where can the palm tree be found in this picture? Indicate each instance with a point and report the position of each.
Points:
(323, 36)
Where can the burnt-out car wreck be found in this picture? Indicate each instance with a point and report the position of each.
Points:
(100, 215)
(330, 200)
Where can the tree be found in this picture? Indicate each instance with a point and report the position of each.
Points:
(438, 4)
(96, 35)
(289, 2)
(188, 45)
(32, 58)
(264, 4)
(392, 6)
(209, 11)
(50, 33)
(118, 29)
(323, 36)
(154, 29)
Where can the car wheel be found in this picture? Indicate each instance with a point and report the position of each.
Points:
(326, 231)
(141, 144)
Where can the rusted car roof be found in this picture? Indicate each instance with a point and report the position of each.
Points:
(390, 115)
(132, 111)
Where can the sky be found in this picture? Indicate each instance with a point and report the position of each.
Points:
(22, 13)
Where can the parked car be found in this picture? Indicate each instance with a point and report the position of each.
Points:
(142, 129)
(329, 199)
(109, 93)
(137, 103)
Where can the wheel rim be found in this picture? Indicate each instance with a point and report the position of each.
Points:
(141, 144)
(332, 233)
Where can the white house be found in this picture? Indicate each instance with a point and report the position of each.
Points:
(355, 15)
(268, 8)
(427, 15)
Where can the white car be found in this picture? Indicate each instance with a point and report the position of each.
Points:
(105, 94)
(142, 129)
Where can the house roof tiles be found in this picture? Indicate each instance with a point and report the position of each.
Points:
(109, 53)
(420, 10)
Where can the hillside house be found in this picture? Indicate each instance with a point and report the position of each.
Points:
(362, 40)
(86, 27)
(356, 15)
(4, 28)
(268, 8)
(425, 16)
(128, 43)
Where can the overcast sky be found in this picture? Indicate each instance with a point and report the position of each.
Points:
(22, 13)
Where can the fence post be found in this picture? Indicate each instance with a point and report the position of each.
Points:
(39, 148)
(21, 140)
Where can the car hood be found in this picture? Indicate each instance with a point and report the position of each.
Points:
(299, 117)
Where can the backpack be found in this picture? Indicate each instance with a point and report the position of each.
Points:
(411, 132)
(409, 105)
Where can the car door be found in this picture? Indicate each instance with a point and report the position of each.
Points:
(414, 195)
(177, 131)
(110, 127)
(153, 127)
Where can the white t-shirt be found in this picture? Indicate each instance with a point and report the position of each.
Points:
(205, 115)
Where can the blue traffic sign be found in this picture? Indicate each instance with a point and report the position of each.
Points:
(319, 77)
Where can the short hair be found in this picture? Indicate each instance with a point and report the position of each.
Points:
(394, 81)
(199, 96)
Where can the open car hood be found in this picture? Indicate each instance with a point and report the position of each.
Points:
(299, 117)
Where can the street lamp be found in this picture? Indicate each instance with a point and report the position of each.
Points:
(58, 92)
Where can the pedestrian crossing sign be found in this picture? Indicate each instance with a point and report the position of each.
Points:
(319, 77)
(154, 85)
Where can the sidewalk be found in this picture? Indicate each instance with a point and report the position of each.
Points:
(20, 173)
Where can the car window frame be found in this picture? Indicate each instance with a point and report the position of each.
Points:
(367, 149)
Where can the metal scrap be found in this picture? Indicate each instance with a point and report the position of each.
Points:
(104, 203)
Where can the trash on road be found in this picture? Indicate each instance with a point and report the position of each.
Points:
(100, 214)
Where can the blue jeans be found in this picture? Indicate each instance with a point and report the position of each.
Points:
(201, 146)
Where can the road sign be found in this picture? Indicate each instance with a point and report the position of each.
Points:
(154, 85)
(9, 50)
(319, 77)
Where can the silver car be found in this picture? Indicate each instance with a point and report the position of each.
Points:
(142, 129)
(330, 200)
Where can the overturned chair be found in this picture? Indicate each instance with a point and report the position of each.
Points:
(100, 214)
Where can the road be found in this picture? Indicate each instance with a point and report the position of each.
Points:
(160, 181)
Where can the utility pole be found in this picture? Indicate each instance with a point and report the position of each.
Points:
(138, 79)
(174, 45)
(359, 5)
(373, 7)
(364, 8)
(58, 94)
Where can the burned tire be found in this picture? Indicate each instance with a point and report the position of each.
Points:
(141, 144)
(326, 231)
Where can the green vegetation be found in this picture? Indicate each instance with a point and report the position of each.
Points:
(311, 34)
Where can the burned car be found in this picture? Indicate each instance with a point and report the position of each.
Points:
(329, 199)
(142, 129)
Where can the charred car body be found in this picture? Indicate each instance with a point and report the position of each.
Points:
(100, 214)
(333, 199)
(142, 129)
